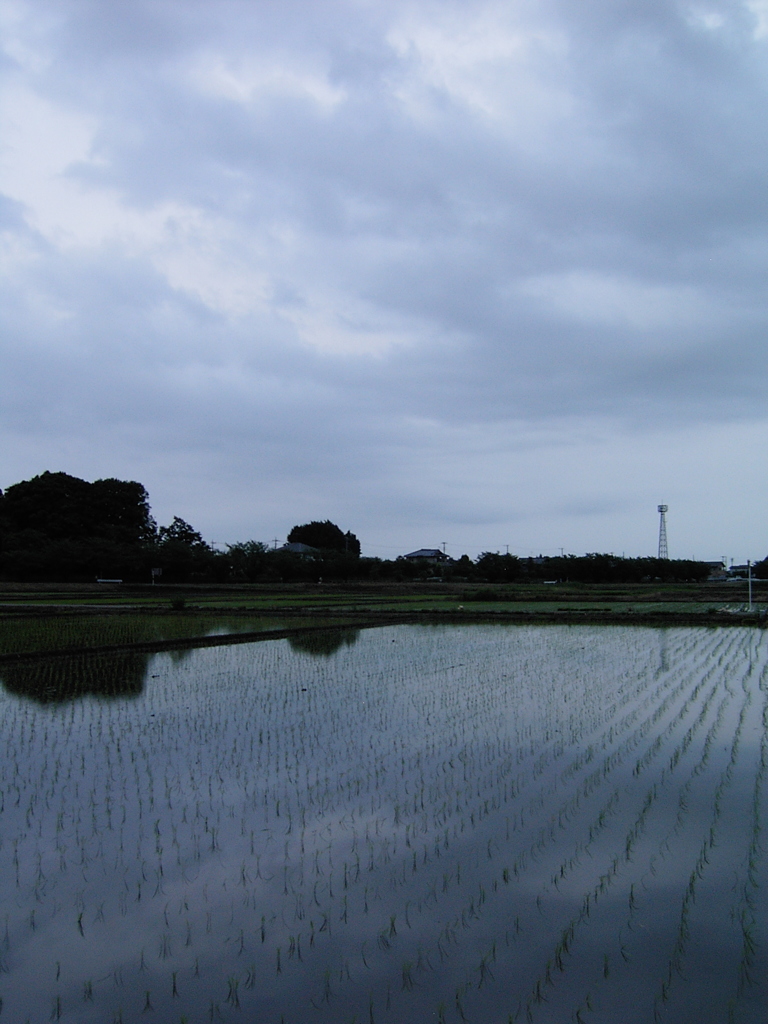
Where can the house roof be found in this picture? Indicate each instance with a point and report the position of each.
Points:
(427, 553)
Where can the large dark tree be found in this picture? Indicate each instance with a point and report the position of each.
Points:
(325, 536)
(59, 527)
(58, 506)
(122, 508)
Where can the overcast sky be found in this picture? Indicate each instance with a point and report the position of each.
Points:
(478, 273)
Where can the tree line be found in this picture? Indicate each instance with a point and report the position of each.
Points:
(59, 528)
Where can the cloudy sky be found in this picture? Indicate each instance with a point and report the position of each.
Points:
(481, 273)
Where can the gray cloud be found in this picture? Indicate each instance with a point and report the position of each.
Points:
(366, 253)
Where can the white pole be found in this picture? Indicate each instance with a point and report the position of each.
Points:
(749, 576)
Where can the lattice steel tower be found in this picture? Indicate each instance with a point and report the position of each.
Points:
(663, 509)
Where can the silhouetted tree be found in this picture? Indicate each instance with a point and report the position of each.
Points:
(184, 556)
(498, 568)
(325, 536)
(59, 527)
(247, 560)
(62, 507)
(180, 532)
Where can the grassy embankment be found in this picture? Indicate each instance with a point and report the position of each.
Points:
(39, 619)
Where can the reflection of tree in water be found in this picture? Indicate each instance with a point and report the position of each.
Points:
(178, 655)
(324, 644)
(79, 675)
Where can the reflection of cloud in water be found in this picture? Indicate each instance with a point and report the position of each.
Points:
(50, 680)
(324, 644)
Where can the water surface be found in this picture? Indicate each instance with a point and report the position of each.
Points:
(481, 823)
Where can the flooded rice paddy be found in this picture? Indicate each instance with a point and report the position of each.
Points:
(409, 824)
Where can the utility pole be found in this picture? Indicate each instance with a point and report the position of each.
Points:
(274, 541)
(749, 578)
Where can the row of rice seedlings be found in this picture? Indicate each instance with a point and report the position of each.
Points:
(746, 910)
(227, 795)
(702, 856)
(606, 877)
(701, 866)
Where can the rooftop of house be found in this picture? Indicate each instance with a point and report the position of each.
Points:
(298, 548)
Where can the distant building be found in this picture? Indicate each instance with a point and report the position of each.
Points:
(717, 570)
(432, 556)
(739, 572)
(296, 548)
